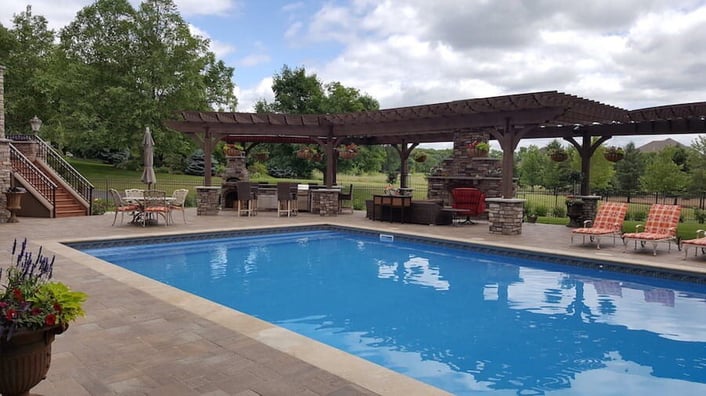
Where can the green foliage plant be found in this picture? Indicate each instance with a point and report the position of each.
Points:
(30, 300)
(541, 210)
(558, 211)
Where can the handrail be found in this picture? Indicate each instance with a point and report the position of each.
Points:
(39, 181)
(68, 173)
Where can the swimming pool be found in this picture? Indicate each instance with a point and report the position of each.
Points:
(456, 318)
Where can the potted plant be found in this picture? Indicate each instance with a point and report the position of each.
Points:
(613, 153)
(478, 148)
(14, 202)
(348, 151)
(33, 309)
(233, 150)
(574, 210)
(558, 154)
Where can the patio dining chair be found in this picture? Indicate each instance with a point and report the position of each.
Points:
(178, 203)
(345, 197)
(121, 206)
(154, 204)
(661, 226)
(609, 221)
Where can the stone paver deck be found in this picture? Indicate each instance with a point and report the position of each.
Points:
(144, 338)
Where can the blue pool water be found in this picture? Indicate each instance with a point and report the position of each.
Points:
(464, 321)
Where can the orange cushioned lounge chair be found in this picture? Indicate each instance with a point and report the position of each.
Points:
(698, 242)
(661, 226)
(609, 221)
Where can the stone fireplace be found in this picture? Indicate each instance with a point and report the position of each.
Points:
(462, 170)
(235, 171)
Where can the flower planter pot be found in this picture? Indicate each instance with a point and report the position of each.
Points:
(559, 157)
(472, 152)
(613, 157)
(25, 359)
(14, 203)
(305, 154)
(232, 152)
(347, 154)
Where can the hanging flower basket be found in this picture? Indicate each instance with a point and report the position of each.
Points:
(305, 153)
(348, 151)
(613, 154)
(347, 154)
(421, 158)
(317, 157)
(559, 155)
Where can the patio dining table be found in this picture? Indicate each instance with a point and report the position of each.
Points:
(138, 217)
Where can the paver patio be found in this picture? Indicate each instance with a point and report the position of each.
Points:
(144, 338)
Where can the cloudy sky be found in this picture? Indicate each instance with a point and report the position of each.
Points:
(627, 53)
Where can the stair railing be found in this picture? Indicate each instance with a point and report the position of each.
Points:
(71, 176)
(34, 176)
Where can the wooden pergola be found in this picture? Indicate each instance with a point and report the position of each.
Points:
(507, 119)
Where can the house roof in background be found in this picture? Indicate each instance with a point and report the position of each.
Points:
(659, 145)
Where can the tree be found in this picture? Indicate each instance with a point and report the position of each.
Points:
(697, 165)
(298, 93)
(628, 171)
(664, 176)
(26, 50)
(531, 165)
(558, 175)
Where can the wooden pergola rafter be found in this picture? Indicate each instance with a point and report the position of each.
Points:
(508, 119)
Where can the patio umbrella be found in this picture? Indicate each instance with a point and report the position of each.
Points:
(148, 175)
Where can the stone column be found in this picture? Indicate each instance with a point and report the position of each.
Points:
(505, 215)
(590, 206)
(324, 201)
(5, 165)
(207, 200)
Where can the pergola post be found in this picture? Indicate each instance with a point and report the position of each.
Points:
(404, 153)
(586, 149)
(508, 139)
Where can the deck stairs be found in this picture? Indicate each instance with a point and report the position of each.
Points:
(56, 186)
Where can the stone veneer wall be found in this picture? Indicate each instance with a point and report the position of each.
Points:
(505, 216)
(462, 170)
(5, 166)
(208, 200)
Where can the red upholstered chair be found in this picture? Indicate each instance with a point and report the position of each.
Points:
(470, 200)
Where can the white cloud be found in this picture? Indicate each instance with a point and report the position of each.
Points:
(206, 7)
(247, 98)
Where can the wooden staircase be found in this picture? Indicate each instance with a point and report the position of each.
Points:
(66, 205)
(54, 184)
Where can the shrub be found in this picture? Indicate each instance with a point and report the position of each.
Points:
(700, 215)
(558, 211)
(100, 206)
(541, 210)
(637, 215)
